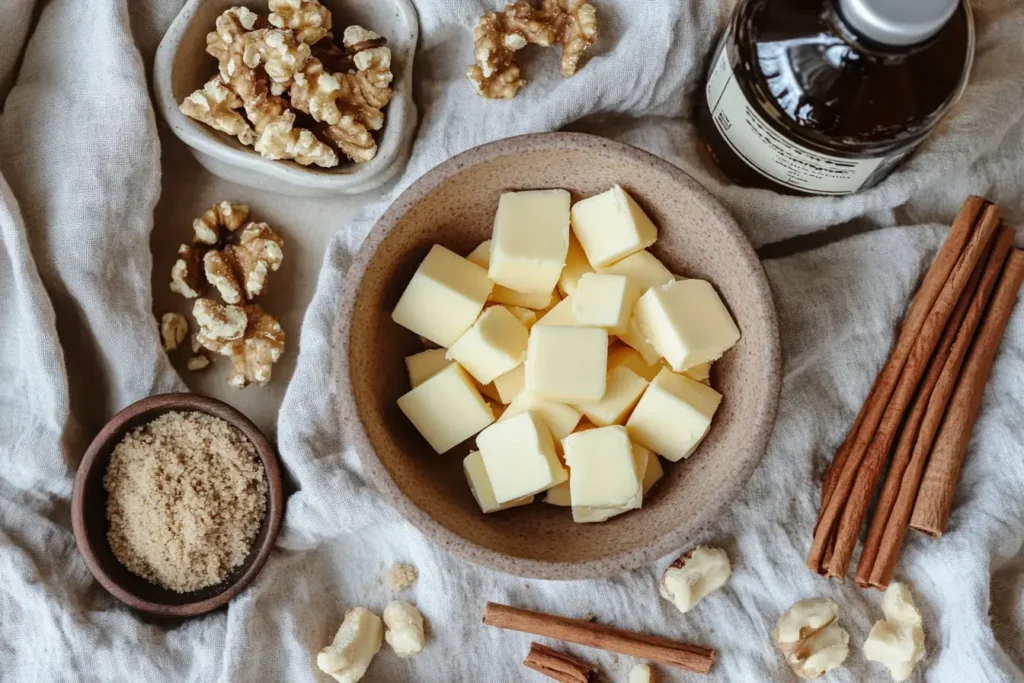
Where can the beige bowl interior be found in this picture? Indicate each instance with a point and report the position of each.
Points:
(454, 205)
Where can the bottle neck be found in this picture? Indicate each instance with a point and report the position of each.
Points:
(890, 27)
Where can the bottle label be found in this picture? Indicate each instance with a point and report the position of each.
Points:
(770, 153)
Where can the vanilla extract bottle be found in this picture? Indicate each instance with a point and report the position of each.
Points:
(826, 97)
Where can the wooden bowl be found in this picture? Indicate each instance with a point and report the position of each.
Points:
(89, 508)
(454, 205)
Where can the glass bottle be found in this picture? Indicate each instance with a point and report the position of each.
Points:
(827, 96)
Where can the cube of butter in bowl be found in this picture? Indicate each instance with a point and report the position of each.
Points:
(445, 457)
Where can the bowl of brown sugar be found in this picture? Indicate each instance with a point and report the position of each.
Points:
(176, 504)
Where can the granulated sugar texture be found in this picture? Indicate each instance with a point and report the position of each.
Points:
(186, 494)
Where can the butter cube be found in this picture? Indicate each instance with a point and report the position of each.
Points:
(559, 495)
(700, 372)
(530, 240)
(480, 486)
(495, 344)
(444, 297)
(446, 409)
(673, 415)
(624, 388)
(582, 514)
(610, 226)
(686, 322)
(604, 301)
(519, 456)
(561, 315)
(536, 301)
(526, 316)
(605, 477)
(481, 256)
(650, 465)
(567, 364)
(635, 338)
(576, 265)
(511, 384)
(424, 365)
(643, 269)
(560, 418)
(627, 356)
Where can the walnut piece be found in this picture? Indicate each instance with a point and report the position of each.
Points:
(198, 362)
(404, 628)
(641, 673)
(694, 575)
(401, 577)
(185, 273)
(810, 638)
(218, 324)
(222, 215)
(897, 641)
(215, 105)
(308, 19)
(252, 339)
(282, 140)
(221, 274)
(356, 642)
(498, 35)
(173, 330)
(278, 51)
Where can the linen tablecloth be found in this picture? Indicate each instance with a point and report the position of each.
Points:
(80, 175)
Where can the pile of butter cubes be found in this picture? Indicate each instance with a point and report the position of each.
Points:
(574, 355)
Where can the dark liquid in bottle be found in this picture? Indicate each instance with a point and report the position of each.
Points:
(826, 89)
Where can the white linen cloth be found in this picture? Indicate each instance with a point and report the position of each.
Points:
(79, 157)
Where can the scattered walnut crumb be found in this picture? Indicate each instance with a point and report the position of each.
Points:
(198, 362)
(186, 495)
(401, 577)
(173, 330)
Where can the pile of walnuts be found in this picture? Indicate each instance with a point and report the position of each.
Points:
(238, 270)
(499, 35)
(287, 90)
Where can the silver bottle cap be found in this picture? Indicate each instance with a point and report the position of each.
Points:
(897, 22)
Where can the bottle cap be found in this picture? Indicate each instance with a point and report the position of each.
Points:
(897, 22)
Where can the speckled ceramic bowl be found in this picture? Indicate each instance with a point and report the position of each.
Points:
(182, 66)
(454, 205)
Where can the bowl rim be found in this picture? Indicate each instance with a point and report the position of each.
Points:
(112, 430)
(393, 144)
(356, 433)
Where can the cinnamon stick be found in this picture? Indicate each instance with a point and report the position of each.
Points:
(931, 511)
(844, 466)
(557, 665)
(895, 525)
(640, 645)
(849, 505)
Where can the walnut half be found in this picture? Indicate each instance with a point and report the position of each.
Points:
(252, 339)
(498, 35)
(810, 638)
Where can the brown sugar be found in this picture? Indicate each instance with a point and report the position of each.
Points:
(186, 495)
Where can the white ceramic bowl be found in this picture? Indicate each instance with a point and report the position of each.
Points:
(183, 66)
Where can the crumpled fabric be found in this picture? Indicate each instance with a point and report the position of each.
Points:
(79, 178)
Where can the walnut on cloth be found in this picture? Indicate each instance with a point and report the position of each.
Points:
(209, 227)
(173, 330)
(292, 63)
(240, 270)
(499, 35)
(186, 274)
(252, 339)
